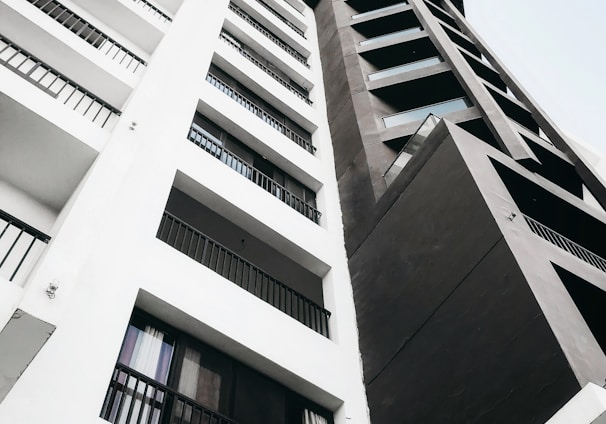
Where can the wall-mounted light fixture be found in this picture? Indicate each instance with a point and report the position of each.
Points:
(52, 288)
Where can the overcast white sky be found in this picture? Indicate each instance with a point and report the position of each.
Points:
(557, 51)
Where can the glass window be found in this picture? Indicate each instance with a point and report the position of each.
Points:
(438, 109)
(423, 63)
(148, 350)
(200, 379)
(390, 35)
(383, 9)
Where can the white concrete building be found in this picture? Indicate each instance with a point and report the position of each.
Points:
(199, 211)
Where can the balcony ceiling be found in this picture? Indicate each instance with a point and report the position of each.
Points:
(39, 158)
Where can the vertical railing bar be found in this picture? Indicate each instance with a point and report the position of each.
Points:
(22, 259)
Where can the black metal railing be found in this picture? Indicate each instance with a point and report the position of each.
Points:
(233, 43)
(566, 244)
(55, 84)
(90, 34)
(17, 239)
(282, 18)
(267, 33)
(260, 112)
(154, 10)
(134, 398)
(238, 270)
(213, 146)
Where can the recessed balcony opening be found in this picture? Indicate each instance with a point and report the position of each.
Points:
(243, 259)
(387, 28)
(389, 24)
(228, 149)
(514, 111)
(266, 66)
(478, 128)
(554, 168)
(89, 33)
(362, 6)
(399, 54)
(413, 100)
(589, 299)
(278, 15)
(462, 41)
(556, 220)
(57, 85)
(164, 376)
(40, 167)
(484, 71)
(247, 17)
(441, 14)
(259, 107)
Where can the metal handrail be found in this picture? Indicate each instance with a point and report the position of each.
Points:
(213, 146)
(229, 39)
(134, 398)
(259, 112)
(267, 33)
(238, 270)
(282, 18)
(22, 228)
(55, 84)
(89, 33)
(565, 243)
(155, 10)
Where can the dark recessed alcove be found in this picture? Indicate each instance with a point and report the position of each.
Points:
(590, 300)
(554, 168)
(366, 5)
(484, 71)
(421, 92)
(478, 128)
(387, 24)
(401, 53)
(554, 212)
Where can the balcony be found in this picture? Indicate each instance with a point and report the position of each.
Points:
(282, 18)
(566, 244)
(248, 54)
(412, 145)
(153, 10)
(212, 145)
(267, 33)
(56, 85)
(261, 113)
(20, 246)
(225, 262)
(134, 398)
(89, 33)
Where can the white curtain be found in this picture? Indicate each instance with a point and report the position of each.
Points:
(146, 355)
(149, 358)
(310, 417)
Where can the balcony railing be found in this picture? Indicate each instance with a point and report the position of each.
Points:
(154, 10)
(90, 34)
(260, 113)
(282, 18)
(566, 244)
(134, 398)
(411, 146)
(238, 270)
(275, 39)
(55, 84)
(229, 40)
(213, 146)
(17, 241)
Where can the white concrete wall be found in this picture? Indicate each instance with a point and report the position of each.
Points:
(106, 259)
(586, 407)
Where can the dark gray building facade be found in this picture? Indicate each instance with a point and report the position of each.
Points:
(475, 241)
